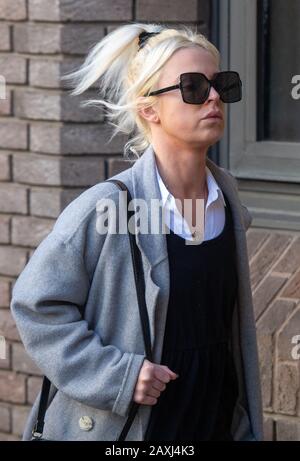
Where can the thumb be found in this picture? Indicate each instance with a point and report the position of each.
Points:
(173, 374)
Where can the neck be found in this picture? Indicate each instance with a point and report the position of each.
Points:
(183, 171)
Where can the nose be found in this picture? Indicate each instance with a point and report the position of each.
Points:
(213, 94)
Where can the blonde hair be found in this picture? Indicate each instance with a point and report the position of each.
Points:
(127, 73)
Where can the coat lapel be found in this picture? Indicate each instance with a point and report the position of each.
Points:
(145, 186)
(153, 246)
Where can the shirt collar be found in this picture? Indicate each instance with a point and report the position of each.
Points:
(214, 191)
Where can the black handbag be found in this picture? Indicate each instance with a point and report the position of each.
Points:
(37, 432)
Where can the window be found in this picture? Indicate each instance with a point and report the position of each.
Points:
(261, 147)
(278, 61)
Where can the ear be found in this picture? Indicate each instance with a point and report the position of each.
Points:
(149, 113)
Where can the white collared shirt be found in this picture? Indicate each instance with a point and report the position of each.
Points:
(214, 210)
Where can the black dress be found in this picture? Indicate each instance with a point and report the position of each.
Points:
(199, 404)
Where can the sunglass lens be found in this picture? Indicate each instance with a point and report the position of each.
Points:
(195, 88)
(229, 86)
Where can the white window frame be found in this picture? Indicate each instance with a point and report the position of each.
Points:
(268, 172)
(249, 158)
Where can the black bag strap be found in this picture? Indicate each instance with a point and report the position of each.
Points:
(138, 276)
(37, 431)
(140, 290)
(39, 425)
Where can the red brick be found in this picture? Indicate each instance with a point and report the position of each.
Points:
(5, 166)
(285, 345)
(266, 293)
(4, 437)
(275, 316)
(288, 430)
(268, 256)
(5, 290)
(12, 260)
(13, 198)
(33, 38)
(76, 10)
(117, 165)
(41, 10)
(5, 418)
(286, 388)
(50, 202)
(34, 386)
(292, 288)
(6, 104)
(13, 10)
(291, 260)
(56, 38)
(54, 105)
(5, 364)
(13, 68)
(8, 326)
(22, 362)
(19, 418)
(13, 135)
(93, 10)
(4, 229)
(55, 138)
(56, 171)
(168, 10)
(12, 387)
(29, 230)
(47, 73)
(265, 347)
(5, 42)
(255, 239)
(268, 429)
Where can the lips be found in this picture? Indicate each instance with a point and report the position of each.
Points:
(213, 114)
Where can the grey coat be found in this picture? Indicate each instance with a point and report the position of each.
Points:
(94, 362)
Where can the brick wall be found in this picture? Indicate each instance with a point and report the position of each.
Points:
(275, 278)
(51, 150)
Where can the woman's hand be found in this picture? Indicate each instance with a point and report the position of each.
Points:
(151, 382)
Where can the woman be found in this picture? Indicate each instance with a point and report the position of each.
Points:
(203, 383)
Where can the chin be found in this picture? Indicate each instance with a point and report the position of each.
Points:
(214, 135)
(210, 140)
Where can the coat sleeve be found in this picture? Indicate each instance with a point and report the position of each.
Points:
(46, 302)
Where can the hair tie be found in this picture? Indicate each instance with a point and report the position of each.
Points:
(143, 37)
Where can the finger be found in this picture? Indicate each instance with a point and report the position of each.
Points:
(149, 400)
(173, 373)
(162, 374)
(148, 373)
(157, 384)
(153, 393)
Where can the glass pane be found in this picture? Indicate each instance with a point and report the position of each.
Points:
(278, 62)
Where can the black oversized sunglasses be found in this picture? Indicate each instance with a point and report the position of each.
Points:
(195, 87)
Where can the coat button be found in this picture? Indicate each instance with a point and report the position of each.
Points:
(86, 423)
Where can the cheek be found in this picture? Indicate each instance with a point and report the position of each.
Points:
(176, 115)
(187, 115)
